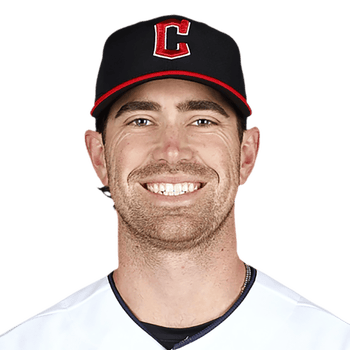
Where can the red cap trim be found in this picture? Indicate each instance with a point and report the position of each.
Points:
(166, 73)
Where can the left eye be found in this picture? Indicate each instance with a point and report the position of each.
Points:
(204, 122)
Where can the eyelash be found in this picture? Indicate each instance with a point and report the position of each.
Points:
(203, 125)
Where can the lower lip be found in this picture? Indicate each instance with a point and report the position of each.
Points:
(182, 198)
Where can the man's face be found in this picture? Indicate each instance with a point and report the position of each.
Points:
(170, 131)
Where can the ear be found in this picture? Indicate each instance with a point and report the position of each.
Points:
(249, 152)
(95, 148)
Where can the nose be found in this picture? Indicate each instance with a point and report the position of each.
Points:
(173, 146)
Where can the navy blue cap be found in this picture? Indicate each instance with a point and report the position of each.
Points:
(169, 47)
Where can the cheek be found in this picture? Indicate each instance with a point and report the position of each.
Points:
(223, 147)
(124, 155)
(222, 152)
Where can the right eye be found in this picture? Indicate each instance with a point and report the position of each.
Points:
(137, 122)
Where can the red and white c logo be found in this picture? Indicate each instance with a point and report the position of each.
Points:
(160, 46)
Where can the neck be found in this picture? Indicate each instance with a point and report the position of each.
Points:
(179, 289)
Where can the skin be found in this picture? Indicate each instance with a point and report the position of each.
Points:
(178, 264)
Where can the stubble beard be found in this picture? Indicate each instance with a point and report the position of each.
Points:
(154, 228)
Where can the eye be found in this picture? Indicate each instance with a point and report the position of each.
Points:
(206, 125)
(137, 121)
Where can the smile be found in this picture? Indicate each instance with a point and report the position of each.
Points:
(169, 189)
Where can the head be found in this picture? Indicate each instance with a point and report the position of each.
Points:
(173, 144)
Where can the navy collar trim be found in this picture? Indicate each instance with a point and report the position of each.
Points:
(125, 307)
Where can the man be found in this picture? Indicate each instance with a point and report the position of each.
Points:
(171, 147)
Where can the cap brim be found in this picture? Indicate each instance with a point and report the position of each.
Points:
(109, 97)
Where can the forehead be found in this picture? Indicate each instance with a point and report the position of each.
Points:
(167, 91)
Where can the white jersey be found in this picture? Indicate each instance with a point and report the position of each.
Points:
(268, 317)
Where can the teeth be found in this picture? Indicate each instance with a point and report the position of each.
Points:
(155, 188)
(172, 189)
(178, 188)
(169, 188)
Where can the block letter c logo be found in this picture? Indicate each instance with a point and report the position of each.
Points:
(160, 45)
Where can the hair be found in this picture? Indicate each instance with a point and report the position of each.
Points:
(241, 120)
(101, 123)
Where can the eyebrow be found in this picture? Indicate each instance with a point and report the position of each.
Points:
(201, 105)
(190, 105)
(138, 106)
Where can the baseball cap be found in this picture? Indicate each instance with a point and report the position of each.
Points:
(169, 47)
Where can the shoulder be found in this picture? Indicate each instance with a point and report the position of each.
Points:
(289, 300)
(299, 321)
(91, 318)
(272, 317)
(59, 320)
